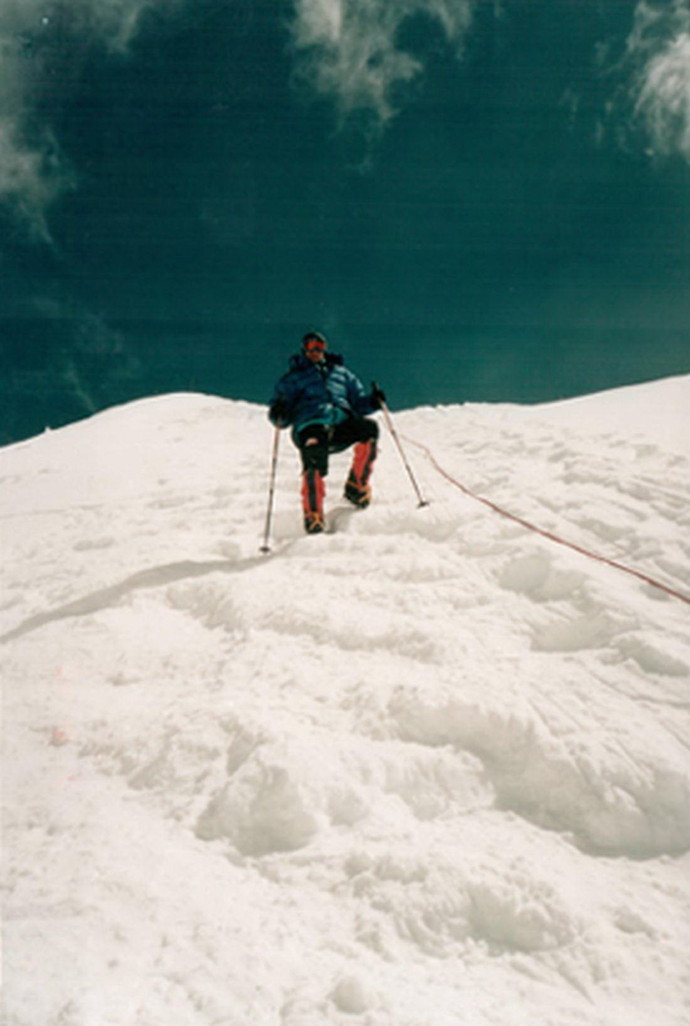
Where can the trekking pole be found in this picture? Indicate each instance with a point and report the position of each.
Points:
(269, 512)
(394, 435)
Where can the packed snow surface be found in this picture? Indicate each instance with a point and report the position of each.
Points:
(430, 769)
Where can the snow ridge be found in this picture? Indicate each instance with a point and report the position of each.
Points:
(427, 770)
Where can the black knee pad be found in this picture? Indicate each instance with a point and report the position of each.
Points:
(314, 455)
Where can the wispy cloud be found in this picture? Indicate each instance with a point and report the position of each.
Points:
(69, 362)
(353, 53)
(32, 173)
(664, 98)
(350, 50)
(42, 44)
(659, 47)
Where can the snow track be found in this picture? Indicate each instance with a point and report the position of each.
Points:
(429, 770)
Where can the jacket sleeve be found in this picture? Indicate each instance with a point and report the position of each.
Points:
(280, 410)
(360, 401)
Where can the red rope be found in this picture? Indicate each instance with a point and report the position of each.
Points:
(548, 534)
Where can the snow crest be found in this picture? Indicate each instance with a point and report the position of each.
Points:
(428, 770)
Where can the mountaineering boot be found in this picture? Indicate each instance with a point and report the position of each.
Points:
(313, 491)
(358, 495)
(357, 490)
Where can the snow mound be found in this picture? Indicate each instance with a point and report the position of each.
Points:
(428, 770)
(656, 412)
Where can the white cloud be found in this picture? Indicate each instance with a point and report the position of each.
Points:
(33, 170)
(32, 174)
(664, 98)
(659, 46)
(349, 49)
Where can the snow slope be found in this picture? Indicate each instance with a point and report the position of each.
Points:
(429, 770)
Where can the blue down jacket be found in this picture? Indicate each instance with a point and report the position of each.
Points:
(319, 393)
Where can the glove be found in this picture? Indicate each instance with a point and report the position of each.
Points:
(378, 396)
(277, 412)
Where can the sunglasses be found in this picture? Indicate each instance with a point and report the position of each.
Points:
(314, 344)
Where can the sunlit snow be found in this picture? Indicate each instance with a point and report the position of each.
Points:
(430, 769)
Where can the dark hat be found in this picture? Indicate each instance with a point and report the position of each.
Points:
(314, 336)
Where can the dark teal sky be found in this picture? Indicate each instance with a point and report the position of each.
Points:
(503, 226)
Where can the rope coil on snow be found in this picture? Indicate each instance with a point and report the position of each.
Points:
(544, 533)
